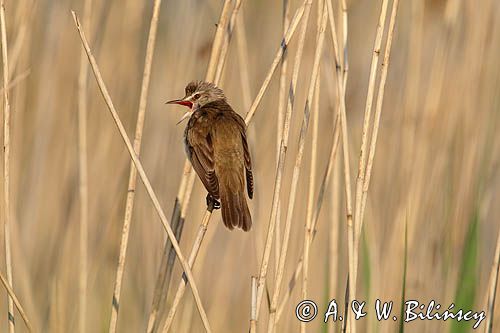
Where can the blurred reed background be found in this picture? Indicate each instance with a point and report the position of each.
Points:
(435, 170)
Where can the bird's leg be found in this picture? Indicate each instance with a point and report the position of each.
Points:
(212, 203)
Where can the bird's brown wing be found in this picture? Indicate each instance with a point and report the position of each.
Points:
(200, 151)
(246, 151)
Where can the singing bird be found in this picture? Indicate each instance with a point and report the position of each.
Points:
(216, 144)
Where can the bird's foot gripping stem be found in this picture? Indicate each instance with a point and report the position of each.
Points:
(212, 203)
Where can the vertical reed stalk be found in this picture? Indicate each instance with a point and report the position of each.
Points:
(83, 178)
(6, 164)
(227, 39)
(492, 288)
(253, 309)
(310, 199)
(281, 161)
(296, 171)
(142, 173)
(341, 88)
(312, 180)
(378, 110)
(333, 246)
(132, 182)
(241, 43)
(345, 25)
(366, 124)
(218, 42)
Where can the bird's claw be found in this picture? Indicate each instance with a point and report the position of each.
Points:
(212, 202)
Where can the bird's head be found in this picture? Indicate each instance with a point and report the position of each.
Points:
(198, 94)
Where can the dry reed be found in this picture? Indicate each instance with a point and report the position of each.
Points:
(242, 45)
(361, 166)
(492, 289)
(227, 39)
(15, 300)
(6, 165)
(83, 177)
(312, 178)
(378, 111)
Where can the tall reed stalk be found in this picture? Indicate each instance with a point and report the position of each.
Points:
(6, 165)
(83, 177)
(312, 178)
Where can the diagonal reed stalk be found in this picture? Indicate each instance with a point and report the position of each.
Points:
(296, 171)
(184, 193)
(14, 298)
(6, 164)
(342, 71)
(277, 58)
(373, 141)
(192, 257)
(132, 182)
(281, 160)
(83, 178)
(142, 173)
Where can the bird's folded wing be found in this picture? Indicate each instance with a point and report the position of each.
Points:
(246, 153)
(202, 158)
(203, 164)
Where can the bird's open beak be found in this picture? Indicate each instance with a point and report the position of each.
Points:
(184, 102)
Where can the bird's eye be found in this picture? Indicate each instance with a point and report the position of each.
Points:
(196, 96)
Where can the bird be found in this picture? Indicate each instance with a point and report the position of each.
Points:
(216, 145)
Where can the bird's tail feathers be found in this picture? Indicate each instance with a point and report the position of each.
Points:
(235, 212)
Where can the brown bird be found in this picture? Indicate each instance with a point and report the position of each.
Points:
(216, 144)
